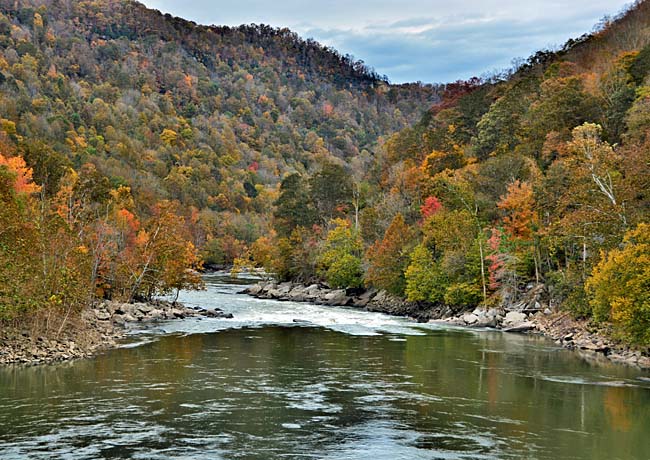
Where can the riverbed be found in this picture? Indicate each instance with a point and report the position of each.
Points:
(289, 380)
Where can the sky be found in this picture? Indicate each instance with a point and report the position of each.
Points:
(433, 41)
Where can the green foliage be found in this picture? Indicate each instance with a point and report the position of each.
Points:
(43, 265)
(296, 257)
(331, 191)
(345, 272)
(339, 261)
(464, 295)
(293, 208)
(640, 67)
(425, 280)
(563, 104)
(500, 129)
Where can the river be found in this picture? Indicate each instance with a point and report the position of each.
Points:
(300, 381)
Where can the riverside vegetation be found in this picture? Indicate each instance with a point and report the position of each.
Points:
(135, 146)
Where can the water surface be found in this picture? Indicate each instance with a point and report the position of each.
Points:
(286, 380)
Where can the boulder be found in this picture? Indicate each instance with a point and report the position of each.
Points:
(144, 308)
(513, 318)
(254, 290)
(128, 318)
(364, 299)
(102, 315)
(598, 347)
(156, 314)
(486, 321)
(470, 319)
(336, 297)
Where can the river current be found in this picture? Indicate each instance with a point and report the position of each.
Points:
(301, 381)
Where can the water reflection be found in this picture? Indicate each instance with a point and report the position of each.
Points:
(311, 392)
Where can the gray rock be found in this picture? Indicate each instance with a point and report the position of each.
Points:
(513, 318)
(547, 311)
(521, 327)
(486, 321)
(470, 319)
(336, 297)
(144, 308)
(254, 290)
(102, 315)
(597, 347)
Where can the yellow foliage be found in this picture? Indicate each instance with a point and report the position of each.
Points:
(169, 136)
(619, 287)
(38, 20)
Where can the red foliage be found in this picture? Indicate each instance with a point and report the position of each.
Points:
(430, 207)
(497, 264)
(454, 91)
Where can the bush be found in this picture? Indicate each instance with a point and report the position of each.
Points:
(567, 289)
(345, 272)
(619, 287)
(463, 295)
(425, 281)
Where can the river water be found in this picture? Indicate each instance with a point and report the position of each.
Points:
(300, 381)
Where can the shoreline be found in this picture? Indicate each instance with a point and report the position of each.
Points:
(530, 315)
(102, 326)
(97, 329)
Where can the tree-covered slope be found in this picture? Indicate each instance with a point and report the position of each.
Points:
(541, 175)
(211, 116)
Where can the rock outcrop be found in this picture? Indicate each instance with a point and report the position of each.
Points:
(530, 313)
(370, 299)
(157, 310)
(99, 327)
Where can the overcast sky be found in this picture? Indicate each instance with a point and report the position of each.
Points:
(411, 40)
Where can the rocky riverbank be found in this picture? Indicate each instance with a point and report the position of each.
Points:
(530, 314)
(98, 328)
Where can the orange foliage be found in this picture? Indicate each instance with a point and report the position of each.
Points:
(519, 205)
(23, 174)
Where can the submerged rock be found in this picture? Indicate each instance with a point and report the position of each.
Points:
(521, 327)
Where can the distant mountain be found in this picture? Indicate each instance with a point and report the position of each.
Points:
(207, 115)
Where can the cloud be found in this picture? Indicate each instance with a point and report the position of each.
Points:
(409, 40)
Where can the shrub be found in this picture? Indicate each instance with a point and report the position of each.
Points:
(463, 295)
(619, 287)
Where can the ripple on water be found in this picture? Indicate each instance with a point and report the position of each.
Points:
(338, 386)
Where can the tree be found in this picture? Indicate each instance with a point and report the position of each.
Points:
(164, 259)
(22, 174)
(389, 258)
(518, 205)
(19, 278)
(331, 192)
(431, 206)
(425, 280)
(520, 222)
(619, 287)
(340, 261)
(562, 105)
(588, 210)
(293, 206)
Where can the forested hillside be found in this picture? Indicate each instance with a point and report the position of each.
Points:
(135, 145)
(542, 177)
(114, 117)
